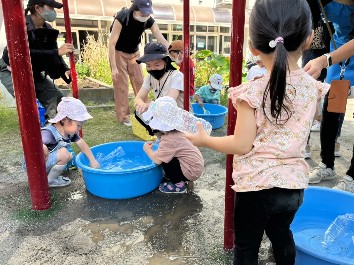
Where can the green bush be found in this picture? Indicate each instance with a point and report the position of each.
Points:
(82, 70)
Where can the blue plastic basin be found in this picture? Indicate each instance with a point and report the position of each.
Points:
(216, 116)
(320, 208)
(123, 183)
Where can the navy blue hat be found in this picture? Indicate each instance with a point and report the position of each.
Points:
(50, 3)
(145, 6)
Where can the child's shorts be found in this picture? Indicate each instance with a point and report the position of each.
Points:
(51, 161)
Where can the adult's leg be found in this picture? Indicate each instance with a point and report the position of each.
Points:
(328, 134)
(48, 94)
(135, 73)
(249, 224)
(350, 171)
(121, 86)
(6, 78)
(173, 171)
(282, 208)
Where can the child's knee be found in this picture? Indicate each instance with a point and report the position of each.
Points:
(64, 155)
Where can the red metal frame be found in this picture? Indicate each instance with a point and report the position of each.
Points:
(186, 51)
(236, 57)
(17, 43)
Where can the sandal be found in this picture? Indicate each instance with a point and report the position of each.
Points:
(169, 187)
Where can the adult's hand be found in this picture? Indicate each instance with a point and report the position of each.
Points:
(66, 48)
(115, 74)
(141, 107)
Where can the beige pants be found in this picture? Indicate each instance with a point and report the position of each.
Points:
(126, 65)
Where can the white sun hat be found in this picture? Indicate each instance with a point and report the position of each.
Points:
(72, 108)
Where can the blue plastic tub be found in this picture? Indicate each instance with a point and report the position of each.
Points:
(320, 208)
(216, 116)
(138, 176)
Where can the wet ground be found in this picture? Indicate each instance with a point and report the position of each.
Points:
(156, 228)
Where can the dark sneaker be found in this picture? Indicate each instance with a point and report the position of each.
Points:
(169, 187)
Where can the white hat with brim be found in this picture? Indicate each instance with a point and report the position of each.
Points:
(216, 81)
(71, 108)
(153, 121)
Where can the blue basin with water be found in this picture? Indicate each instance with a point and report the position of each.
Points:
(128, 173)
(217, 114)
(320, 208)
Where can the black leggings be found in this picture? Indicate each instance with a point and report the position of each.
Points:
(173, 171)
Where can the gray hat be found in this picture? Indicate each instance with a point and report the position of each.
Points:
(50, 3)
(145, 6)
(153, 51)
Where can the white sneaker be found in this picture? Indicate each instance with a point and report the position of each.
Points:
(127, 122)
(346, 183)
(59, 182)
(337, 152)
(316, 126)
(307, 153)
(321, 173)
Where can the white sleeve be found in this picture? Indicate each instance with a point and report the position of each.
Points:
(147, 82)
(177, 81)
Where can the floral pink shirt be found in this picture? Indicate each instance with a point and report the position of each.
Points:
(277, 156)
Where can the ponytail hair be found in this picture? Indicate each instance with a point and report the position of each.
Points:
(279, 27)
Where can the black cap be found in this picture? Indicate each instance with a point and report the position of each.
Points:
(153, 51)
(50, 3)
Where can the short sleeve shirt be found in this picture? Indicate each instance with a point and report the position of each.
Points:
(277, 156)
(49, 140)
(171, 80)
(175, 144)
(204, 92)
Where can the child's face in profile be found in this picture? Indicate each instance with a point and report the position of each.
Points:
(212, 90)
(71, 127)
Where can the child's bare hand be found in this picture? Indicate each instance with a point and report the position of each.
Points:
(94, 164)
(200, 138)
(148, 146)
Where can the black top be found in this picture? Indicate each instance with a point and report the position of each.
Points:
(43, 50)
(130, 35)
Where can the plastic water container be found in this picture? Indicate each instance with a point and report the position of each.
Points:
(340, 234)
(41, 113)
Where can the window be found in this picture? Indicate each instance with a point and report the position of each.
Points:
(212, 29)
(212, 43)
(178, 27)
(84, 23)
(201, 29)
(201, 43)
(224, 29)
(163, 27)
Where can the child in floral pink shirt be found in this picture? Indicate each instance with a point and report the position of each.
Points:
(274, 118)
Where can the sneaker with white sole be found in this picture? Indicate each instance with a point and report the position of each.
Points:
(59, 182)
(127, 122)
(346, 183)
(320, 173)
(337, 152)
(307, 153)
(316, 126)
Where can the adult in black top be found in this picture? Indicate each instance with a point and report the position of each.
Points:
(128, 26)
(46, 57)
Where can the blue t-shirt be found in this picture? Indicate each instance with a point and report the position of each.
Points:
(204, 92)
(339, 14)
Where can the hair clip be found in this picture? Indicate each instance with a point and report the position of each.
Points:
(274, 43)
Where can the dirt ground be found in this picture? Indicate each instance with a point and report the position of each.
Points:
(157, 229)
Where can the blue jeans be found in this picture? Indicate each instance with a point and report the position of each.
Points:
(272, 211)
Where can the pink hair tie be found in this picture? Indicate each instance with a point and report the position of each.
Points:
(274, 43)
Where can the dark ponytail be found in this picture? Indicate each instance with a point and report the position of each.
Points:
(291, 22)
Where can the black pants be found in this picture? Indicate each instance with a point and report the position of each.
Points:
(330, 128)
(350, 171)
(173, 171)
(270, 211)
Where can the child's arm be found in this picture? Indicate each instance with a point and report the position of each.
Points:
(87, 151)
(148, 150)
(240, 143)
(46, 152)
(198, 99)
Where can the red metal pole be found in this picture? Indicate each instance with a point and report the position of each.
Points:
(236, 56)
(69, 39)
(186, 63)
(17, 43)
